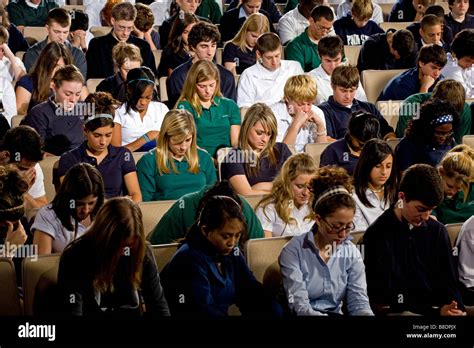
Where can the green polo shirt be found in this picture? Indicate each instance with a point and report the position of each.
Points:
(455, 210)
(304, 51)
(180, 217)
(158, 187)
(213, 125)
(210, 9)
(22, 14)
(408, 107)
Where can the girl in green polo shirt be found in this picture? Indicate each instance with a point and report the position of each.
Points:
(217, 118)
(456, 170)
(176, 167)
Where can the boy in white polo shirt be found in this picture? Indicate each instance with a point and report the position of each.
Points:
(264, 81)
(330, 50)
(299, 121)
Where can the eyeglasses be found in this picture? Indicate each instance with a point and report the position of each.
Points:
(122, 28)
(319, 27)
(443, 134)
(333, 230)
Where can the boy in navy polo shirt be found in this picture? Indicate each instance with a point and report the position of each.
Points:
(458, 19)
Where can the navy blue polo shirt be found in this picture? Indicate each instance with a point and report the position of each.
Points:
(338, 116)
(243, 60)
(118, 163)
(339, 154)
(59, 131)
(175, 83)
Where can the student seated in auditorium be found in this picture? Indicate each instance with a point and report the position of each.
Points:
(210, 10)
(299, 121)
(177, 51)
(458, 18)
(431, 31)
(79, 34)
(264, 82)
(126, 57)
(344, 8)
(331, 51)
(407, 10)
(408, 255)
(286, 211)
(460, 60)
(430, 136)
(35, 88)
(447, 90)
(295, 21)
(32, 13)
(115, 164)
(110, 271)
(72, 210)
(11, 68)
(421, 79)
(233, 19)
(176, 167)
(202, 41)
(217, 118)
(57, 27)
(322, 268)
(456, 170)
(99, 55)
(375, 182)
(356, 27)
(342, 104)
(21, 146)
(209, 269)
(268, 6)
(465, 261)
(16, 40)
(181, 215)
(390, 50)
(304, 47)
(59, 119)
(252, 167)
(138, 120)
(144, 26)
(346, 151)
(240, 52)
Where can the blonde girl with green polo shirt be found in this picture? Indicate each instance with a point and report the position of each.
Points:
(217, 118)
(176, 167)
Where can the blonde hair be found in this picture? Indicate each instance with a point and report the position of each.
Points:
(451, 91)
(301, 88)
(282, 194)
(201, 71)
(259, 112)
(362, 9)
(458, 164)
(177, 123)
(123, 52)
(257, 23)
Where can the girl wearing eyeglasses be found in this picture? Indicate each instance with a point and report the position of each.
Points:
(428, 137)
(286, 210)
(322, 268)
(375, 181)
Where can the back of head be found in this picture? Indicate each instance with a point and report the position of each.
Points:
(345, 76)
(220, 188)
(67, 73)
(22, 142)
(364, 126)
(458, 165)
(60, 16)
(102, 104)
(451, 91)
(300, 88)
(433, 54)
(330, 46)
(463, 44)
(436, 10)
(80, 20)
(13, 186)
(124, 52)
(124, 11)
(268, 42)
(362, 9)
(145, 18)
(203, 31)
(404, 43)
(422, 182)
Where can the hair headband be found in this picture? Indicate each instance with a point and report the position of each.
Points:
(95, 117)
(448, 118)
(141, 79)
(6, 210)
(332, 191)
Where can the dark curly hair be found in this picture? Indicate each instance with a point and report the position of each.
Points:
(13, 186)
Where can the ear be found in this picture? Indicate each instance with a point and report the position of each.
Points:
(4, 157)
(204, 231)
(441, 171)
(421, 32)
(112, 21)
(401, 195)
(317, 219)
(259, 56)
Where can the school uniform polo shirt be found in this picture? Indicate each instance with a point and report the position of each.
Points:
(304, 51)
(213, 125)
(158, 187)
(323, 82)
(242, 59)
(60, 131)
(291, 24)
(454, 210)
(464, 76)
(118, 163)
(456, 26)
(22, 14)
(339, 154)
(351, 34)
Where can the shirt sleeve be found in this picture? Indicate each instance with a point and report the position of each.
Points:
(235, 119)
(9, 101)
(246, 90)
(466, 254)
(37, 190)
(44, 221)
(207, 167)
(265, 217)
(38, 121)
(356, 292)
(285, 30)
(147, 176)
(230, 53)
(128, 162)
(171, 226)
(254, 228)
(294, 52)
(230, 169)
(328, 157)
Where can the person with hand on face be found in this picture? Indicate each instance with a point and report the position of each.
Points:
(138, 120)
(286, 210)
(16, 40)
(431, 32)
(322, 268)
(421, 79)
(11, 67)
(299, 121)
(79, 34)
(144, 26)
(408, 255)
(72, 210)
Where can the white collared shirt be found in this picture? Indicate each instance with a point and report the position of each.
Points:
(323, 81)
(291, 24)
(133, 127)
(6, 68)
(242, 13)
(37, 189)
(465, 246)
(464, 76)
(271, 221)
(257, 84)
(306, 135)
(365, 216)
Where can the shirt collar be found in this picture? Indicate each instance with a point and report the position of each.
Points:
(242, 13)
(30, 4)
(112, 150)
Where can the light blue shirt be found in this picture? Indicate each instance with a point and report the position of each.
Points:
(314, 287)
